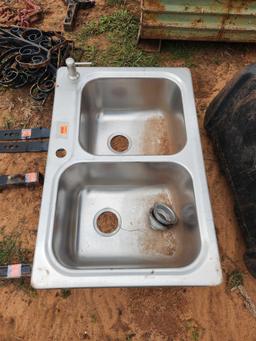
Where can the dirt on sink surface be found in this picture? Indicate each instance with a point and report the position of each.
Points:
(124, 314)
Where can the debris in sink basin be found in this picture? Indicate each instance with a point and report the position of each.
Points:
(162, 217)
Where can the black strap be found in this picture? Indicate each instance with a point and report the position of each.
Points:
(24, 134)
(28, 179)
(15, 271)
(24, 147)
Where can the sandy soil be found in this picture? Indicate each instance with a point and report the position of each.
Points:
(150, 314)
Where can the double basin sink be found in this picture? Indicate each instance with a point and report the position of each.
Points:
(123, 139)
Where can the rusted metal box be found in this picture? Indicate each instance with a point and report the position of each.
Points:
(224, 20)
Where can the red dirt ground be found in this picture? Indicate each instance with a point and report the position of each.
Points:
(137, 314)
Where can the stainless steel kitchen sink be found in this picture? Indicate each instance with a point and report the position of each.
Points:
(121, 141)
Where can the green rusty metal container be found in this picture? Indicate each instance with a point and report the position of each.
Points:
(224, 20)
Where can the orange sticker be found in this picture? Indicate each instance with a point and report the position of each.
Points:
(14, 271)
(31, 177)
(26, 133)
(64, 130)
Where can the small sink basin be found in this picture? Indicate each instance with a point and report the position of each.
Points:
(147, 112)
(128, 190)
(122, 142)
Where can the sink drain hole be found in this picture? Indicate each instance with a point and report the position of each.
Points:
(119, 143)
(107, 222)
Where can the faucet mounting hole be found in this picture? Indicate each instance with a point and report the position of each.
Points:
(61, 152)
(107, 222)
(119, 143)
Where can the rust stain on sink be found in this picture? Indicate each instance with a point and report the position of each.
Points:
(156, 139)
(159, 243)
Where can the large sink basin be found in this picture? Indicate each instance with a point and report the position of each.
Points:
(149, 112)
(130, 189)
(121, 141)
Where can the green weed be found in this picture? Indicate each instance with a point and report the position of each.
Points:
(120, 29)
(11, 250)
(194, 330)
(93, 318)
(116, 2)
(65, 293)
(235, 279)
(8, 123)
(182, 51)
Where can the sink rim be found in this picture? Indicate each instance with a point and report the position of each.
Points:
(47, 274)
